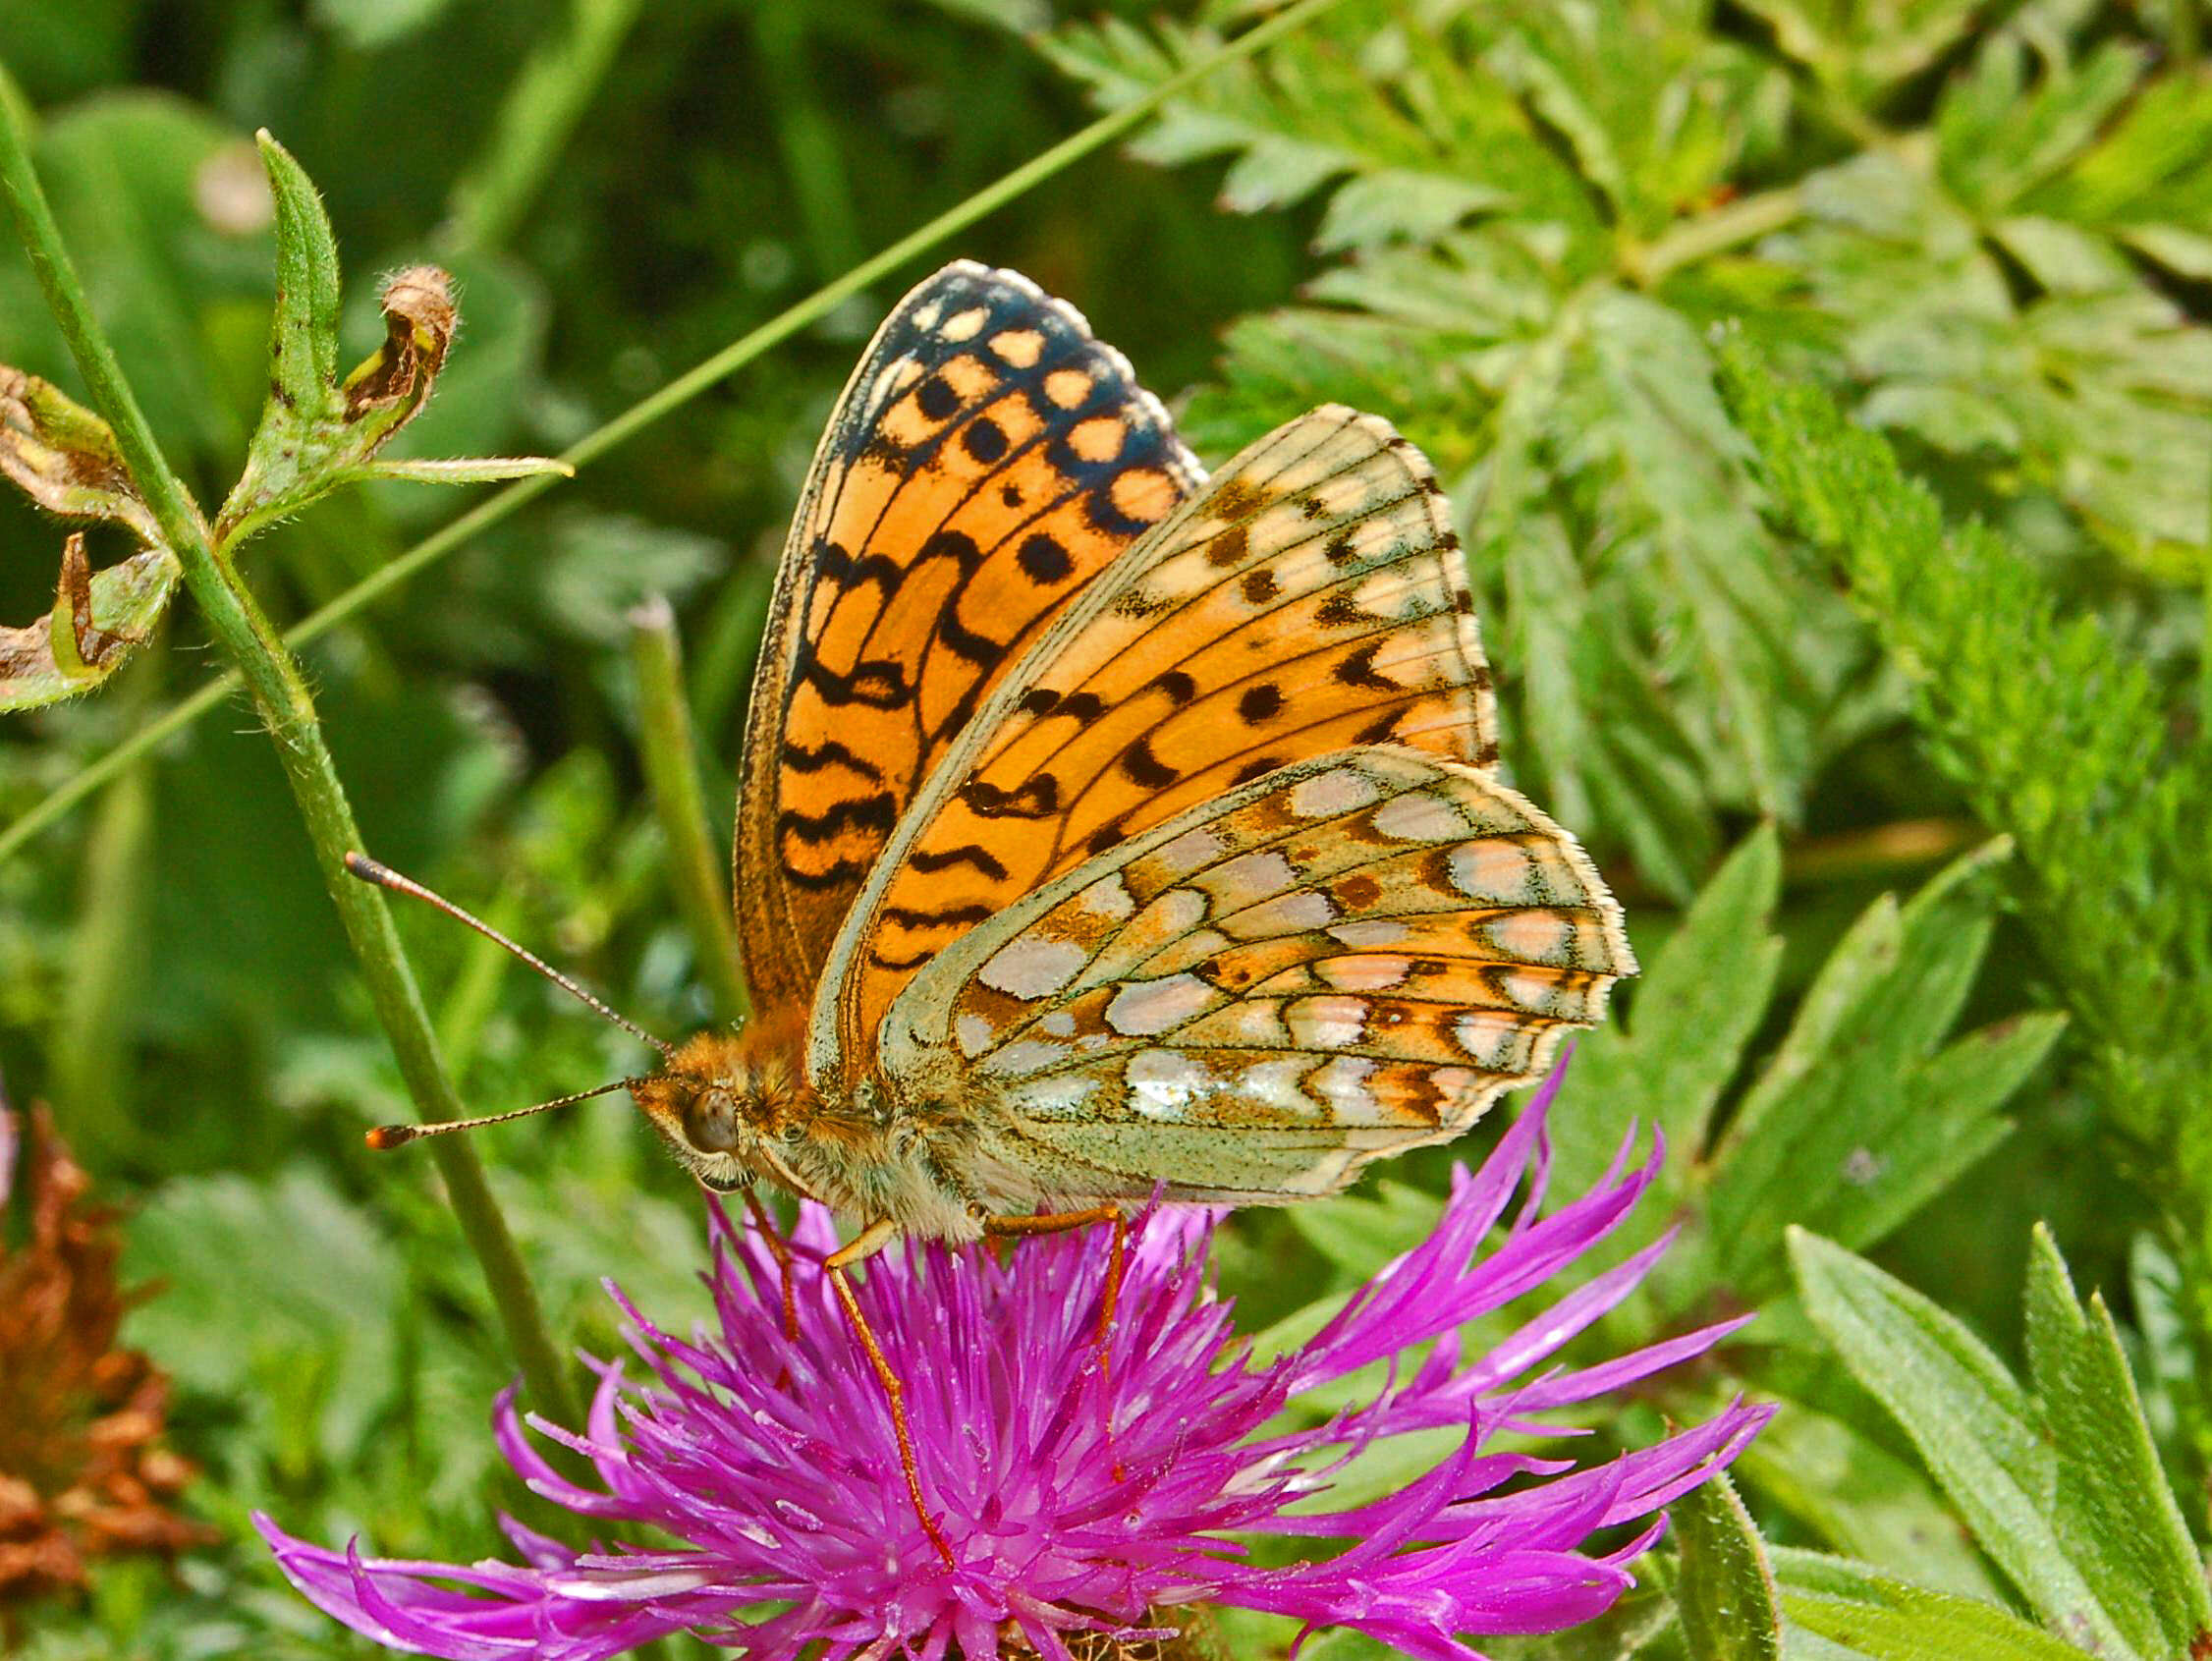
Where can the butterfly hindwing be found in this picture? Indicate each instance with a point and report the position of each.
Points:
(987, 458)
(1309, 600)
(1352, 956)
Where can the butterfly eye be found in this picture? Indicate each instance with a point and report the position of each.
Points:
(710, 1122)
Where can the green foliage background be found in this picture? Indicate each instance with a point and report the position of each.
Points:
(1905, 785)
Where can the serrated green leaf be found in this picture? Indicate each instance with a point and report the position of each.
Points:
(1976, 1429)
(1866, 48)
(317, 1276)
(1886, 1619)
(1725, 1595)
(2092, 381)
(2115, 1513)
(1445, 140)
(2148, 167)
(2075, 760)
(1998, 135)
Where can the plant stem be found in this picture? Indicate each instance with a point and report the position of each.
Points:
(671, 768)
(1730, 226)
(91, 1072)
(537, 116)
(806, 136)
(504, 502)
(281, 697)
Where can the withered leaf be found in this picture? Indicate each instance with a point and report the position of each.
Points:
(85, 1472)
(99, 618)
(64, 456)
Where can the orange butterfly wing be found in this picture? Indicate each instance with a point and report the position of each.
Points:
(986, 460)
(1348, 956)
(1309, 600)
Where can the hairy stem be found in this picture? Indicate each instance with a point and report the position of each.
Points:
(280, 697)
(675, 395)
(694, 867)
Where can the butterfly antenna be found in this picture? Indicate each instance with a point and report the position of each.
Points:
(399, 1135)
(383, 876)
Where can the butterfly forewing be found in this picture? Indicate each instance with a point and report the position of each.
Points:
(1309, 600)
(987, 458)
(1354, 955)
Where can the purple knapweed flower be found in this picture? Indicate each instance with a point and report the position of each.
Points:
(1076, 1498)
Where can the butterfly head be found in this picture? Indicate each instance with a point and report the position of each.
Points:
(728, 1104)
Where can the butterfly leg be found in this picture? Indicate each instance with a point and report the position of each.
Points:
(780, 1250)
(866, 1244)
(1059, 1222)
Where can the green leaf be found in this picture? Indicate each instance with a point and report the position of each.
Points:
(305, 449)
(1361, 1232)
(367, 26)
(1885, 1619)
(2038, 347)
(466, 469)
(314, 1272)
(1690, 1015)
(1997, 137)
(1861, 1498)
(2074, 761)
(1861, 1118)
(1725, 1594)
(2115, 1513)
(1417, 132)
(1866, 46)
(1981, 1434)
(316, 431)
(304, 327)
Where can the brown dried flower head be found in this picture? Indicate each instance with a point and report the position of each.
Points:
(84, 1472)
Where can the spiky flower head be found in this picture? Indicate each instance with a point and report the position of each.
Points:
(1082, 1492)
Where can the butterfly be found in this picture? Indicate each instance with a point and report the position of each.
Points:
(1106, 830)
